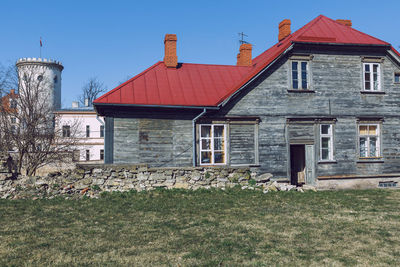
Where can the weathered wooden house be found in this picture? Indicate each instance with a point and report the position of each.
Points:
(319, 107)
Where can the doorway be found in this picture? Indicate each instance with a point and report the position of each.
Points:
(297, 164)
(302, 168)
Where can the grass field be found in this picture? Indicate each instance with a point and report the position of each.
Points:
(204, 227)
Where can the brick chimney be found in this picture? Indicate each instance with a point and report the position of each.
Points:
(284, 29)
(345, 22)
(244, 56)
(170, 57)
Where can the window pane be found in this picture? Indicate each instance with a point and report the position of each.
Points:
(303, 66)
(376, 83)
(325, 154)
(375, 68)
(218, 144)
(205, 157)
(205, 131)
(304, 75)
(363, 147)
(304, 83)
(367, 85)
(397, 78)
(205, 144)
(295, 82)
(325, 142)
(366, 67)
(325, 129)
(372, 130)
(372, 147)
(363, 129)
(219, 157)
(218, 131)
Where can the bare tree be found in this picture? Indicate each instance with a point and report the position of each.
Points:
(30, 126)
(90, 91)
(8, 79)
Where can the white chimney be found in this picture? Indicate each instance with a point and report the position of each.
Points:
(86, 102)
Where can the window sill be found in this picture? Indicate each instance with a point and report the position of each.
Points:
(327, 162)
(245, 165)
(372, 92)
(370, 160)
(300, 91)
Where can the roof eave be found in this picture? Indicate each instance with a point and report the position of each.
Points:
(153, 106)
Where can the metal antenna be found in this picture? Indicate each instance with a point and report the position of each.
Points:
(242, 35)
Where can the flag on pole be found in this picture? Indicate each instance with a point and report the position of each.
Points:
(41, 42)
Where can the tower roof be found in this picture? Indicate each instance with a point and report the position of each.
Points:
(40, 61)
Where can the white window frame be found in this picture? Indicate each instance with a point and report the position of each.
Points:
(398, 75)
(368, 136)
(330, 144)
(211, 138)
(371, 77)
(67, 132)
(299, 72)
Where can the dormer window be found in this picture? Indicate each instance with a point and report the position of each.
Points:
(372, 76)
(300, 72)
(299, 75)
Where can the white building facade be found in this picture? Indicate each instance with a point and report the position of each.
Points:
(88, 130)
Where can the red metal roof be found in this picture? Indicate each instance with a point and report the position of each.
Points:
(209, 85)
(186, 85)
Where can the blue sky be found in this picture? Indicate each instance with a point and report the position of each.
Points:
(114, 40)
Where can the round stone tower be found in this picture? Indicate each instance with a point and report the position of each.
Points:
(48, 72)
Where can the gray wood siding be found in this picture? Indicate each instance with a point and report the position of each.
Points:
(241, 144)
(336, 81)
(156, 142)
(301, 132)
(126, 140)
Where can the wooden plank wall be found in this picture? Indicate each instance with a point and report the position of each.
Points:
(336, 82)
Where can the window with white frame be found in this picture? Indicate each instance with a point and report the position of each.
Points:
(300, 75)
(66, 131)
(326, 142)
(372, 76)
(369, 140)
(397, 77)
(212, 144)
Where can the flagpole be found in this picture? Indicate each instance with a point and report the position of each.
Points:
(40, 47)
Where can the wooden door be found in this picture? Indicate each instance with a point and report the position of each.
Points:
(310, 165)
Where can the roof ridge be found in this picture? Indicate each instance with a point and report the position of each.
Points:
(214, 65)
(363, 33)
(292, 35)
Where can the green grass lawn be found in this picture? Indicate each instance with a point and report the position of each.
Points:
(204, 227)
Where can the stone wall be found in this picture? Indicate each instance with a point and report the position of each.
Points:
(91, 180)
